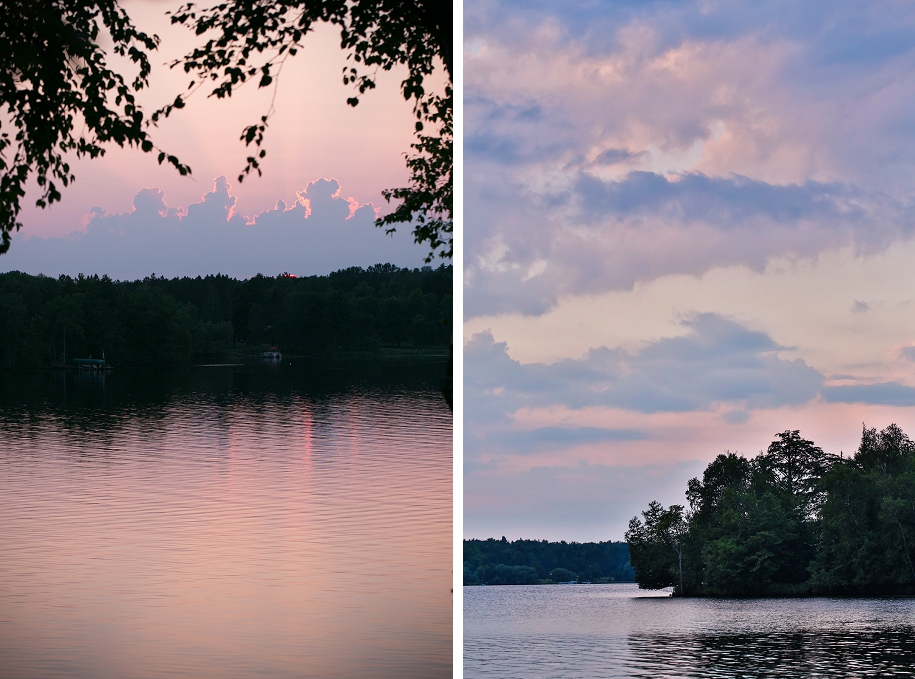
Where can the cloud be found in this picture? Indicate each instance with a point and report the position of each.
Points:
(596, 235)
(885, 393)
(843, 32)
(735, 416)
(672, 68)
(615, 147)
(320, 232)
(791, 135)
(717, 362)
(555, 438)
(615, 156)
(731, 202)
(718, 365)
(781, 80)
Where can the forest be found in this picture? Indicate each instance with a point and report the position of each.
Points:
(792, 521)
(531, 562)
(48, 321)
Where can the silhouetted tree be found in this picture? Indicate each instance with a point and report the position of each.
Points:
(798, 465)
(656, 546)
(61, 97)
(54, 79)
(171, 321)
(793, 520)
(253, 38)
(867, 519)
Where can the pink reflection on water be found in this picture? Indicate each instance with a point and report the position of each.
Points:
(230, 542)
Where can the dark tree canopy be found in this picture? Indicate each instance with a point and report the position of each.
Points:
(657, 544)
(797, 464)
(251, 39)
(521, 562)
(793, 520)
(58, 95)
(159, 321)
(54, 81)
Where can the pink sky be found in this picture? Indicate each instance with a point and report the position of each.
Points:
(690, 227)
(313, 134)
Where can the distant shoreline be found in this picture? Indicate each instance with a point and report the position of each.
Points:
(440, 354)
(160, 322)
(541, 562)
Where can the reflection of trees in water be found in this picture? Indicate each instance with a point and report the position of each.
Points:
(104, 406)
(808, 653)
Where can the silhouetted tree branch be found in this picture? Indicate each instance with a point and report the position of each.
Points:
(55, 80)
(251, 39)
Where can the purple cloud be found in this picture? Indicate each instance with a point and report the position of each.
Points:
(718, 361)
(320, 232)
(608, 145)
(597, 235)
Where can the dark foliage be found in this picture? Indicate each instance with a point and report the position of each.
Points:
(160, 321)
(653, 543)
(500, 574)
(867, 521)
(793, 520)
(251, 40)
(486, 561)
(59, 96)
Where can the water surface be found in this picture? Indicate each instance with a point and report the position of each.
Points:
(233, 521)
(585, 631)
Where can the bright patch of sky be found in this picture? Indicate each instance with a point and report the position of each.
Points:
(689, 227)
(312, 134)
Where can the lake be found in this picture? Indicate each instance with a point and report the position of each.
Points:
(266, 520)
(595, 631)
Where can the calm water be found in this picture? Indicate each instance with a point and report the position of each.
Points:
(235, 521)
(586, 631)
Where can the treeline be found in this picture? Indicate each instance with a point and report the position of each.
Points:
(160, 321)
(529, 562)
(793, 520)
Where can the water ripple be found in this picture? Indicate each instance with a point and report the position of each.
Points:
(605, 631)
(230, 532)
